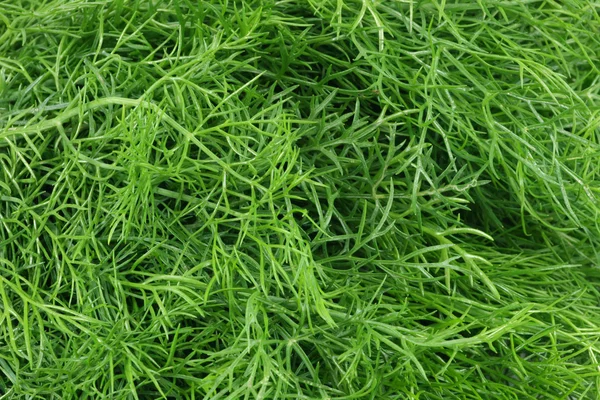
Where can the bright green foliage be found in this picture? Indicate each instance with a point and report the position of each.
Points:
(299, 199)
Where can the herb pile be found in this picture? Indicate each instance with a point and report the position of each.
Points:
(319, 199)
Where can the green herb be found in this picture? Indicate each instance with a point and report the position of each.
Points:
(322, 199)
